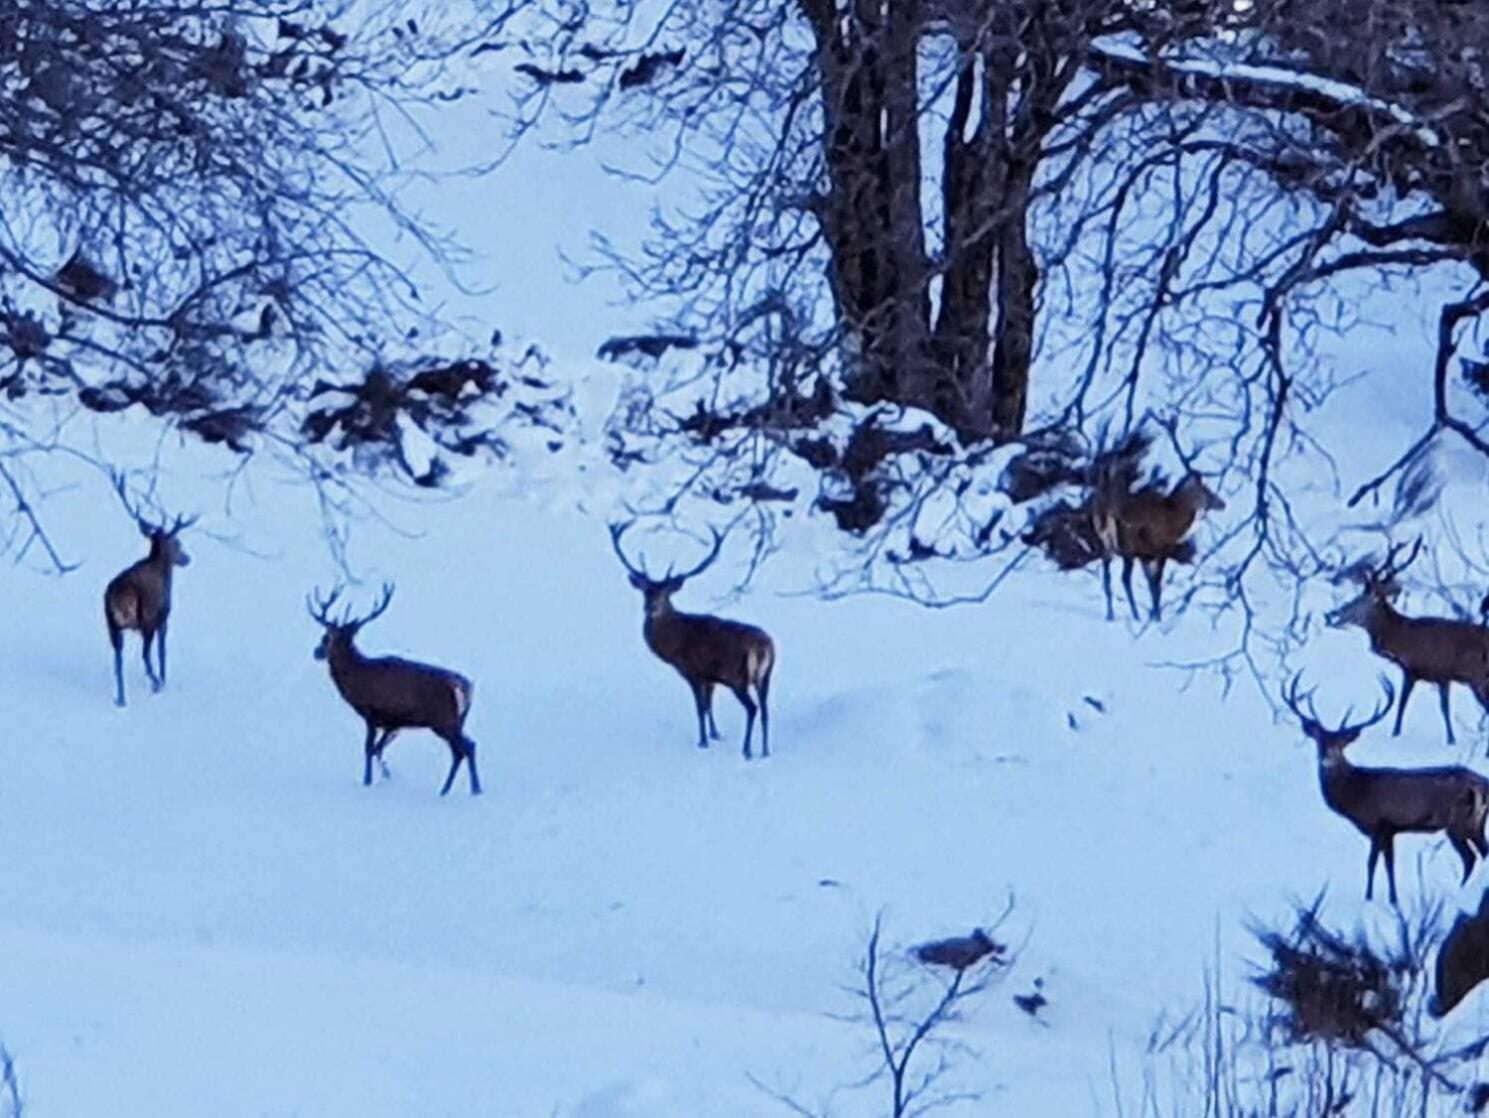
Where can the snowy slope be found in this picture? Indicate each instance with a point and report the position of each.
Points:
(202, 912)
(205, 912)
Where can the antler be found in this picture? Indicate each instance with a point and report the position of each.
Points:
(718, 542)
(377, 611)
(320, 608)
(147, 526)
(121, 487)
(1292, 698)
(616, 532)
(1390, 568)
(1382, 710)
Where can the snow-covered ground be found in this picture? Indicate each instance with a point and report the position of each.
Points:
(204, 912)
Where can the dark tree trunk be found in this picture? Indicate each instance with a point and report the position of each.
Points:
(968, 363)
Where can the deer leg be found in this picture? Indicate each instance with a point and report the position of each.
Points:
(763, 687)
(1447, 717)
(377, 751)
(1370, 868)
(1388, 848)
(1465, 852)
(1408, 682)
(1127, 585)
(149, 639)
(470, 765)
(1106, 584)
(368, 748)
(743, 694)
(700, 703)
(461, 749)
(116, 638)
(1153, 568)
(713, 727)
(160, 651)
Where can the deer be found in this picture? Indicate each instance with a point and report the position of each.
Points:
(705, 650)
(1385, 802)
(1438, 650)
(139, 597)
(1462, 960)
(392, 694)
(1144, 524)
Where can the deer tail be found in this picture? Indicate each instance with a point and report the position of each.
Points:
(760, 661)
(464, 690)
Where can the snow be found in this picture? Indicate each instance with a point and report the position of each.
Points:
(1342, 92)
(202, 911)
(205, 912)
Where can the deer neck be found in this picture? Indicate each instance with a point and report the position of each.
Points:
(661, 628)
(1335, 777)
(1384, 626)
(344, 659)
(159, 563)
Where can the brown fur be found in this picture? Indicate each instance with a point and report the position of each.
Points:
(1436, 650)
(391, 694)
(1149, 526)
(1385, 802)
(1462, 960)
(139, 598)
(707, 651)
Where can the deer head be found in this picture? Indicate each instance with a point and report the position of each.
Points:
(1331, 742)
(165, 542)
(1195, 493)
(1380, 586)
(340, 631)
(658, 592)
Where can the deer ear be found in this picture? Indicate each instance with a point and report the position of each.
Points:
(638, 582)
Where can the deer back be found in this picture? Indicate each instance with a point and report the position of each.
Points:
(1389, 800)
(1431, 648)
(1462, 960)
(139, 597)
(710, 649)
(1148, 522)
(396, 692)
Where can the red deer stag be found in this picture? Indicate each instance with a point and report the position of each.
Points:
(393, 694)
(1462, 960)
(1148, 526)
(705, 650)
(1438, 650)
(139, 597)
(1383, 803)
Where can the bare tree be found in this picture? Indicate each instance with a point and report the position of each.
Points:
(1345, 1030)
(925, 230)
(864, 239)
(197, 202)
(911, 1003)
(10, 1085)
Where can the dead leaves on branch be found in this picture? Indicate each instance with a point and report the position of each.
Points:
(460, 406)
